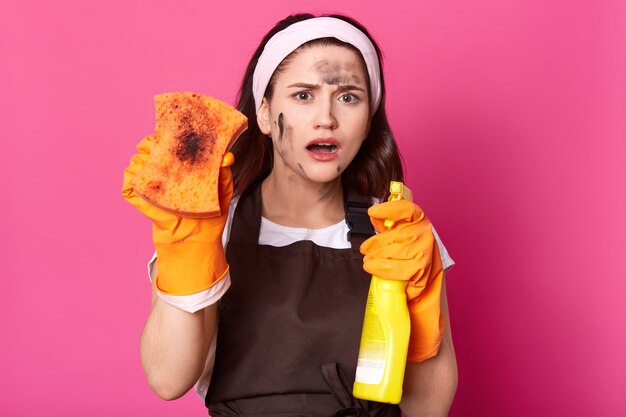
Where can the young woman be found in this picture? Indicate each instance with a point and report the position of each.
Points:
(293, 281)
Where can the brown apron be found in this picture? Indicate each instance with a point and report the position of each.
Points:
(290, 324)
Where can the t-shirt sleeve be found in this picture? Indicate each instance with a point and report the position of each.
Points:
(446, 260)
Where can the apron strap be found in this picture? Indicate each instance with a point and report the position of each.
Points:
(358, 221)
(246, 223)
(340, 388)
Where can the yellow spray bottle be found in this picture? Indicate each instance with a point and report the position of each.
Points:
(386, 331)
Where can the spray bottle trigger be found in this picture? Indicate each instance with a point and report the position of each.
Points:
(397, 191)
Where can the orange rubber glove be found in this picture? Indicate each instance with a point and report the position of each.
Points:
(190, 254)
(408, 251)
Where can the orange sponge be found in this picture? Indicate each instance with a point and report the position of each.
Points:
(193, 133)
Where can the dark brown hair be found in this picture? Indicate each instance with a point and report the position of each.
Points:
(375, 165)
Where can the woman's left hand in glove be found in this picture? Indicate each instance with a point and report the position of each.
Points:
(408, 251)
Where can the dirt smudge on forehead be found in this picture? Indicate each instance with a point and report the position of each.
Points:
(325, 66)
(333, 73)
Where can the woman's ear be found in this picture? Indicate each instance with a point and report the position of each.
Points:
(263, 117)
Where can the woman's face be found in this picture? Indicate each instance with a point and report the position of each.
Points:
(319, 113)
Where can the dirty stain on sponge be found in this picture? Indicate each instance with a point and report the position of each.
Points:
(192, 134)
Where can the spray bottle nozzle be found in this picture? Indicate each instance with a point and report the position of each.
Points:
(398, 191)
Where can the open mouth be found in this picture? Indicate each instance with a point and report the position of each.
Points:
(322, 148)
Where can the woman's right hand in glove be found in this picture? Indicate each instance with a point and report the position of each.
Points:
(190, 254)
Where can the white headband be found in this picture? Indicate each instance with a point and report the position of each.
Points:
(286, 41)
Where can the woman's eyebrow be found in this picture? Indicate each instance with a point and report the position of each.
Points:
(350, 87)
(313, 86)
(303, 85)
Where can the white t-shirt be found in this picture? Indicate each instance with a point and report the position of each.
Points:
(272, 234)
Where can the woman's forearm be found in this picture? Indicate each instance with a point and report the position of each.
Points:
(174, 345)
(429, 386)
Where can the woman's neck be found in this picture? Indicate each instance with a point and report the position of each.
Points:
(294, 202)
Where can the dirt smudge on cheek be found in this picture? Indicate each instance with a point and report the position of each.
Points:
(282, 151)
(281, 127)
(286, 130)
(282, 156)
(280, 144)
(302, 170)
(290, 130)
(284, 142)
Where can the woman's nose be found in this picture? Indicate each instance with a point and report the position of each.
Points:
(325, 115)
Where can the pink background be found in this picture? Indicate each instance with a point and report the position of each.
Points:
(510, 116)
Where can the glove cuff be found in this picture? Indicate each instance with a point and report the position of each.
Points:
(188, 267)
(427, 321)
(426, 339)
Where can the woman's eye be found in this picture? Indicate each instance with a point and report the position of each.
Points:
(348, 98)
(303, 96)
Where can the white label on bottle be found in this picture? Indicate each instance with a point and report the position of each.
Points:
(368, 372)
(371, 362)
